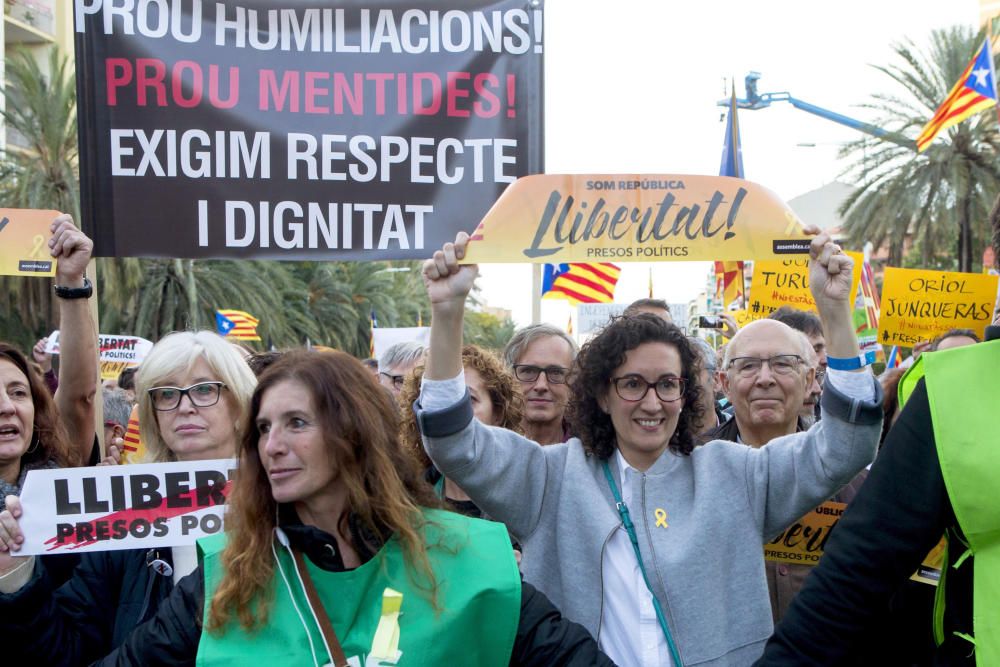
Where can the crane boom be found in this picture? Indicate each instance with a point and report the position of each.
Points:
(755, 100)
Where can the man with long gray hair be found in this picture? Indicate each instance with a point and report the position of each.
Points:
(541, 357)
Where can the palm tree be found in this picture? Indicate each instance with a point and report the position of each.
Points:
(943, 195)
(41, 174)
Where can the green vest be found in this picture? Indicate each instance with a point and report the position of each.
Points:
(476, 619)
(963, 388)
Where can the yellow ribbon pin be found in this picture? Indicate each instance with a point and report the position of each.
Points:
(386, 641)
(661, 518)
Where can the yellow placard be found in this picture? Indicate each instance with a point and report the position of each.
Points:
(929, 571)
(636, 217)
(785, 282)
(24, 248)
(742, 317)
(918, 305)
(110, 370)
(803, 542)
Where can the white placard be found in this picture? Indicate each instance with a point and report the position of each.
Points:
(130, 349)
(105, 508)
(389, 336)
(593, 316)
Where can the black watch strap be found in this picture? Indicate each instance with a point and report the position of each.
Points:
(84, 292)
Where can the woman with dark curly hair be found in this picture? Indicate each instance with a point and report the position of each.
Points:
(653, 545)
(496, 401)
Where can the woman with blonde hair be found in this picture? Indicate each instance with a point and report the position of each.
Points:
(333, 553)
(193, 390)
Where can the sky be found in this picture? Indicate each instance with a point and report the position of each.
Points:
(631, 87)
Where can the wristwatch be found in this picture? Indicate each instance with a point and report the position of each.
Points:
(84, 292)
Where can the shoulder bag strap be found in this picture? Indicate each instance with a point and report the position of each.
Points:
(325, 626)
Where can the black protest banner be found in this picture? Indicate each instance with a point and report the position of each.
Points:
(276, 129)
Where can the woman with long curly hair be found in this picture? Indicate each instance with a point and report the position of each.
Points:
(496, 401)
(333, 552)
(654, 545)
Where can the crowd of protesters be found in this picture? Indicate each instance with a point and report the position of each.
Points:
(543, 504)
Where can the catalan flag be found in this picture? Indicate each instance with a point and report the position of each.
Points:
(976, 90)
(237, 324)
(729, 281)
(869, 294)
(581, 282)
(134, 449)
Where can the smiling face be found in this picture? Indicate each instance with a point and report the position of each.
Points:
(544, 401)
(767, 400)
(292, 450)
(198, 433)
(643, 428)
(17, 418)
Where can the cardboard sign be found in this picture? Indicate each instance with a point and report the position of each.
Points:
(803, 542)
(283, 129)
(919, 305)
(24, 242)
(593, 316)
(785, 282)
(929, 571)
(106, 508)
(129, 349)
(556, 218)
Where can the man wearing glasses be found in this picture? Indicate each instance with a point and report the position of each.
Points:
(541, 357)
(770, 377)
(396, 362)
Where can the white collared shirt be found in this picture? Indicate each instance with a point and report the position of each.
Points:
(630, 634)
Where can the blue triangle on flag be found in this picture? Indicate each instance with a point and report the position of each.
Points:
(223, 324)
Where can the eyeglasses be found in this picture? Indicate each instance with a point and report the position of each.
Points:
(553, 374)
(635, 387)
(396, 380)
(201, 395)
(780, 364)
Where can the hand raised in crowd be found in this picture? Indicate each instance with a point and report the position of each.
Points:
(729, 327)
(829, 274)
(10, 536)
(72, 248)
(449, 283)
(41, 357)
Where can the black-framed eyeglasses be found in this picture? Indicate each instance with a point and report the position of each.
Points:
(396, 380)
(529, 373)
(201, 395)
(780, 364)
(634, 388)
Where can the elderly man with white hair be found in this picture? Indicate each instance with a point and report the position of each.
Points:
(396, 362)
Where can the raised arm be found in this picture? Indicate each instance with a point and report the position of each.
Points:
(77, 337)
(448, 285)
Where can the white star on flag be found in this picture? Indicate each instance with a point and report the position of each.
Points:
(982, 76)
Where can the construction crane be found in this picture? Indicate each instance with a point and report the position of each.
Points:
(755, 100)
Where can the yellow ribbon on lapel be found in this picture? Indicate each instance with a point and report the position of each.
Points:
(386, 641)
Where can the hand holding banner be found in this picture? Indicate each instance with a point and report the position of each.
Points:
(636, 217)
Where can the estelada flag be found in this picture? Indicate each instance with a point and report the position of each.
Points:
(976, 90)
(580, 282)
(237, 324)
(134, 448)
(729, 281)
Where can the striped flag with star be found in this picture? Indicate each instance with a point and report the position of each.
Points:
(729, 281)
(237, 324)
(976, 90)
(580, 282)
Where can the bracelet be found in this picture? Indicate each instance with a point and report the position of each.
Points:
(84, 292)
(851, 363)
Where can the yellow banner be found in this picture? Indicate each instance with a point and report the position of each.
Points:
(804, 541)
(636, 217)
(785, 282)
(110, 370)
(918, 305)
(24, 247)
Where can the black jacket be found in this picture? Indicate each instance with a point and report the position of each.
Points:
(899, 514)
(171, 637)
(108, 595)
